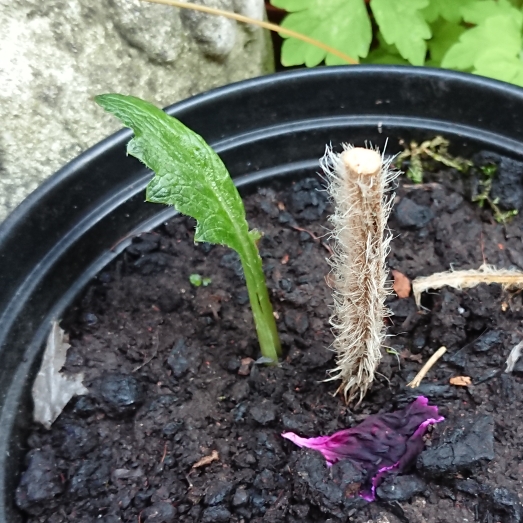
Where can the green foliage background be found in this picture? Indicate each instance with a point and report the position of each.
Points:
(478, 36)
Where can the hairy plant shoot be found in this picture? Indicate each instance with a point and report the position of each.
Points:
(358, 180)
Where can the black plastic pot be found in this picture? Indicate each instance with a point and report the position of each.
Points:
(266, 129)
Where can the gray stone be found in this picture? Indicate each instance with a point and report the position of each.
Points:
(161, 512)
(460, 447)
(488, 341)
(507, 501)
(216, 515)
(334, 490)
(241, 497)
(40, 483)
(217, 491)
(264, 413)
(119, 394)
(400, 488)
(56, 55)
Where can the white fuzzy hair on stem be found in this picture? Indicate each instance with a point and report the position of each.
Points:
(359, 182)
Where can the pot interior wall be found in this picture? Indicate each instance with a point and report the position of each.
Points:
(268, 131)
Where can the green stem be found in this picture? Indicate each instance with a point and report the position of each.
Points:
(260, 303)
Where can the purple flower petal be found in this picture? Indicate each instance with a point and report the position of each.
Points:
(379, 444)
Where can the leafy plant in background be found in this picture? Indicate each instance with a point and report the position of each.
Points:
(485, 184)
(479, 36)
(190, 176)
(435, 149)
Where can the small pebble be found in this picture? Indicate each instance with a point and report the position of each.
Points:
(241, 497)
(120, 394)
(264, 480)
(240, 390)
(509, 502)
(488, 341)
(231, 260)
(89, 318)
(75, 441)
(400, 488)
(160, 512)
(183, 359)
(296, 321)
(40, 483)
(217, 492)
(264, 413)
(216, 515)
(245, 366)
(172, 428)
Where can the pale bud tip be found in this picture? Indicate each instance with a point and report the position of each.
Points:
(361, 161)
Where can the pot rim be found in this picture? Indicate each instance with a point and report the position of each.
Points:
(122, 136)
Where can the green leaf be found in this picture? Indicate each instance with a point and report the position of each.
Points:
(444, 36)
(449, 10)
(496, 63)
(401, 23)
(195, 279)
(341, 24)
(292, 5)
(479, 11)
(499, 32)
(192, 177)
(415, 170)
(189, 174)
(384, 54)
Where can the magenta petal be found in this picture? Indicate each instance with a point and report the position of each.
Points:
(323, 444)
(379, 444)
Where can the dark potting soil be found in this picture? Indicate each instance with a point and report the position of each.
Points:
(180, 424)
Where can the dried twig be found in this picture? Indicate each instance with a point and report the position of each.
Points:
(421, 374)
(358, 181)
(206, 460)
(314, 238)
(164, 455)
(310, 233)
(467, 279)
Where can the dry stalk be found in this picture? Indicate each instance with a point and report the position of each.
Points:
(423, 372)
(467, 279)
(358, 180)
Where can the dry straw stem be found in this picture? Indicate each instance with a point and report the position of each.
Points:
(358, 180)
(253, 21)
(423, 372)
(509, 279)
